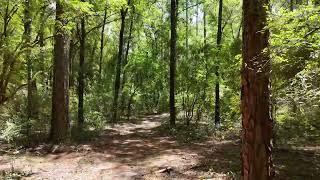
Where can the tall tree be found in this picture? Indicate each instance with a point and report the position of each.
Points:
(255, 96)
(217, 89)
(27, 41)
(173, 54)
(81, 80)
(125, 60)
(123, 14)
(60, 91)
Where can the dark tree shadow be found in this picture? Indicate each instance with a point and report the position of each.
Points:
(132, 142)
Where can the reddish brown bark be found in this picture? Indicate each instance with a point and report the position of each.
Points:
(60, 91)
(255, 100)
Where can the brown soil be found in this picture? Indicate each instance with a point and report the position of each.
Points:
(138, 151)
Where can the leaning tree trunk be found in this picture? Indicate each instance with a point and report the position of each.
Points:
(60, 91)
(255, 96)
(173, 44)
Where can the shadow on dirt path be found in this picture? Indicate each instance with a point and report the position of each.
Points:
(136, 150)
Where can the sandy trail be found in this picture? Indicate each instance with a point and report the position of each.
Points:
(139, 151)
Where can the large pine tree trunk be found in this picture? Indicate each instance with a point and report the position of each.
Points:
(173, 42)
(60, 91)
(255, 101)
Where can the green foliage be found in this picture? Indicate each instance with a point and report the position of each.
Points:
(294, 48)
(295, 51)
(14, 174)
(12, 131)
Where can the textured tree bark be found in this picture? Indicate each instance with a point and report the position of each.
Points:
(217, 89)
(173, 44)
(255, 94)
(81, 81)
(60, 91)
(118, 65)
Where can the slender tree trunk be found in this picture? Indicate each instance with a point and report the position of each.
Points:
(125, 62)
(60, 95)
(187, 30)
(173, 54)
(217, 89)
(102, 42)
(186, 109)
(255, 94)
(81, 83)
(205, 56)
(123, 14)
(27, 40)
(42, 42)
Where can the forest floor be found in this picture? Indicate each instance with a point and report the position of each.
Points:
(138, 150)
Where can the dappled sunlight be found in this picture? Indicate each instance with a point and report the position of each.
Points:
(146, 153)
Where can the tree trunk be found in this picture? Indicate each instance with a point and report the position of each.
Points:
(217, 89)
(255, 94)
(123, 14)
(173, 43)
(81, 83)
(27, 40)
(102, 43)
(60, 91)
(125, 62)
(42, 42)
(187, 31)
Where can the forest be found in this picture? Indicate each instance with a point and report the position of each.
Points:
(160, 89)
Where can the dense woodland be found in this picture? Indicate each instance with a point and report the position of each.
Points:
(246, 71)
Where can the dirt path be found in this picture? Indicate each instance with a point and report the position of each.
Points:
(139, 151)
